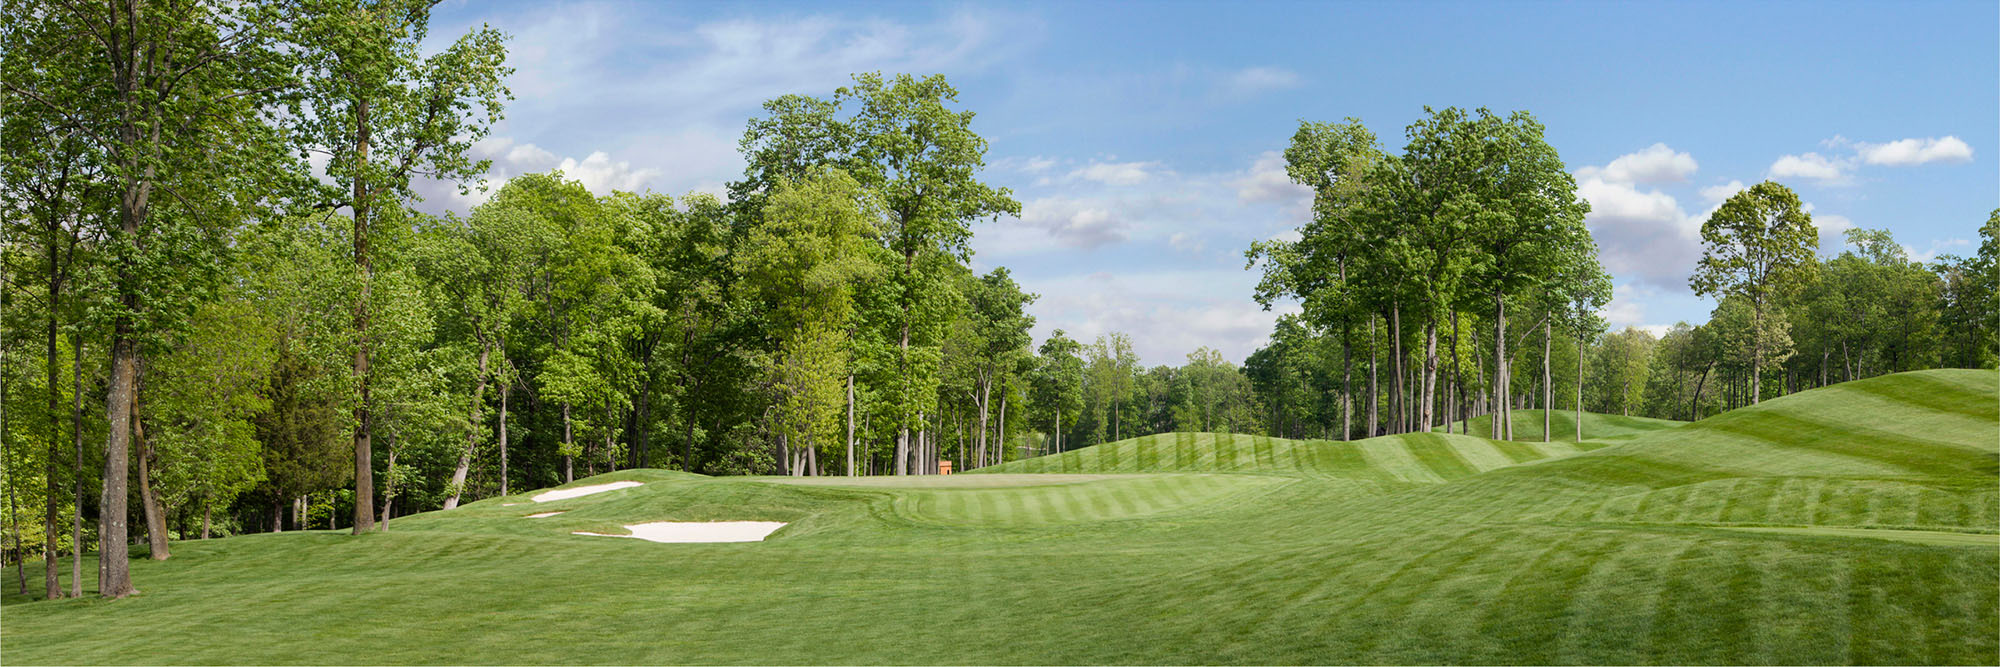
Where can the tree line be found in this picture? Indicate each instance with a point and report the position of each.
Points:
(1475, 230)
(224, 314)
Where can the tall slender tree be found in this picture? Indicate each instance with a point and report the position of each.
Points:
(1759, 247)
(382, 114)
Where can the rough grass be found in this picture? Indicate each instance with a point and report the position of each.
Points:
(1777, 534)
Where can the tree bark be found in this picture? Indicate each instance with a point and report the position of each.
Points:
(850, 424)
(1548, 381)
(1346, 384)
(14, 526)
(1756, 351)
(156, 520)
(76, 440)
(1374, 397)
(1427, 410)
(1398, 421)
(389, 491)
(1579, 388)
(1503, 417)
(114, 569)
(1457, 381)
(569, 466)
(471, 433)
(642, 416)
(1000, 449)
(503, 437)
(51, 585)
(364, 460)
(985, 399)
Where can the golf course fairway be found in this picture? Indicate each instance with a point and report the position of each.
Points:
(1850, 524)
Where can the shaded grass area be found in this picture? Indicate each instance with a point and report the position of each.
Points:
(1754, 537)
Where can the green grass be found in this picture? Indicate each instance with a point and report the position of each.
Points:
(1598, 428)
(1853, 524)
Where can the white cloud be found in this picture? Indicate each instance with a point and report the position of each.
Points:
(1627, 309)
(1641, 235)
(1812, 166)
(1716, 194)
(1253, 80)
(1908, 152)
(597, 78)
(1268, 182)
(1832, 230)
(1185, 242)
(1654, 164)
(1170, 312)
(601, 175)
(1116, 173)
(1072, 222)
(1937, 248)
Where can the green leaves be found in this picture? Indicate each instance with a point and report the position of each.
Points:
(1758, 245)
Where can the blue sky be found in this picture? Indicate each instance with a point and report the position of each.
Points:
(1142, 138)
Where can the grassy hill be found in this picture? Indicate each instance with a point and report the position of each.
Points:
(1596, 427)
(1852, 524)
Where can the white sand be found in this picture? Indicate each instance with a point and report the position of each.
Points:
(543, 515)
(563, 494)
(694, 531)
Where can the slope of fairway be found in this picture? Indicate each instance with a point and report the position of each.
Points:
(1597, 428)
(1913, 450)
(1848, 525)
(1410, 457)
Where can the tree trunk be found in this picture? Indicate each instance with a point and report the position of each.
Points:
(985, 400)
(1346, 384)
(76, 440)
(1459, 384)
(156, 520)
(207, 513)
(1000, 448)
(14, 526)
(850, 424)
(1374, 397)
(1756, 351)
(1694, 405)
(51, 585)
(389, 490)
(1579, 388)
(1502, 417)
(364, 463)
(1548, 382)
(471, 434)
(1398, 421)
(503, 437)
(642, 417)
(1427, 410)
(569, 466)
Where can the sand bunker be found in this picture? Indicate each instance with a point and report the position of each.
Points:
(562, 494)
(693, 531)
(543, 515)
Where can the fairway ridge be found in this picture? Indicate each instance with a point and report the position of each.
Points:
(1851, 524)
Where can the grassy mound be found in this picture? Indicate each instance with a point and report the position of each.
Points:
(1854, 524)
(1597, 428)
(1410, 457)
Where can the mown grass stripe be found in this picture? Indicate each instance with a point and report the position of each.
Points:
(1437, 454)
(1523, 621)
(1519, 452)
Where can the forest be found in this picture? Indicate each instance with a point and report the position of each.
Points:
(225, 312)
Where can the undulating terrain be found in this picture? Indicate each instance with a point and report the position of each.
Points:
(1851, 524)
